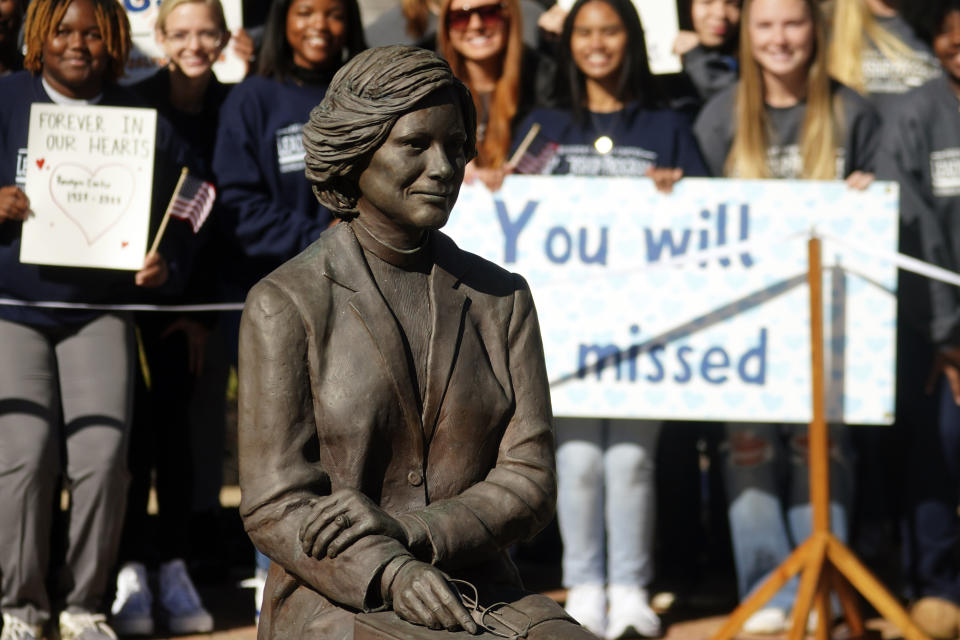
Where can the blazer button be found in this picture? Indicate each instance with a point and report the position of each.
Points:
(415, 478)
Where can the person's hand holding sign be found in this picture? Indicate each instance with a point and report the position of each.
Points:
(154, 271)
(14, 204)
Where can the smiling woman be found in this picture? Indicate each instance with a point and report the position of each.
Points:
(67, 379)
(785, 118)
(258, 160)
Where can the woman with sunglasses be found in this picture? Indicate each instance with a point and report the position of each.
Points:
(482, 42)
(414, 22)
(785, 118)
(192, 34)
(613, 126)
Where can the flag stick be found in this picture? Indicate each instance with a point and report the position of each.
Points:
(166, 215)
(522, 149)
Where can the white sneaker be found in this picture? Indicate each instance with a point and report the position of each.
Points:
(16, 629)
(131, 612)
(85, 626)
(587, 604)
(179, 602)
(258, 583)
(767, 621)
(630, 613)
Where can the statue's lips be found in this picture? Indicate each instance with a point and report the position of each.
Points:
(438, 195)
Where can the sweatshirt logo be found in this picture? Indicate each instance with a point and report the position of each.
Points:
(21, 177)
(290, 153)
(945, 172)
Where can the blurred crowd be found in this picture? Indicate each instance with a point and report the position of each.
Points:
(108, 404)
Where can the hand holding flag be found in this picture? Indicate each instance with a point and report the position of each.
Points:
(192, 201)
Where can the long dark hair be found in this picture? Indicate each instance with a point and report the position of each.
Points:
(636, 81)
(276, 57)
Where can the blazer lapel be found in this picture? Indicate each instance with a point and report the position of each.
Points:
(449, 315)
(348, 268)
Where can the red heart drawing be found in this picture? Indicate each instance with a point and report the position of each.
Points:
(40, 163)
(124, 244)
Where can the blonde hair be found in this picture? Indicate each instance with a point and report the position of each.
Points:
(853, 26)
(819, 135)
(167, 7)
(43, 17)
(493, 149)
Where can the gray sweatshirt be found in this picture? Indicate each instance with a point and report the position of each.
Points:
(859, 136)
(921, 150)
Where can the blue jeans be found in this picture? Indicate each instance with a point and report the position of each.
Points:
(768, 496)
(606, 500)
(931, 526)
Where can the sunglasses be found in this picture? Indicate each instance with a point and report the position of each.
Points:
(491, 15)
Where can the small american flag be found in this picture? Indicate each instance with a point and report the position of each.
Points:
(193, 201)
(534, 153)
(537, 157)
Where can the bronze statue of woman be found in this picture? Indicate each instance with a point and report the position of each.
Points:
(395, 424)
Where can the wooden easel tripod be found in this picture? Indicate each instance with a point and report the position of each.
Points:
(825, 562)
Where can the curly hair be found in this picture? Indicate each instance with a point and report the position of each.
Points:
(43, 17)
(927, 17)
(364, 100)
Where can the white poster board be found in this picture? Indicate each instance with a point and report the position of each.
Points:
(725, 337)
(660, 28)
(147, 56)
(89, 180)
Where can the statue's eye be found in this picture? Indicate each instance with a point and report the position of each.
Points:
(417, 143)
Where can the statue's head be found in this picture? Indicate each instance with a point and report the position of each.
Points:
(395, 128)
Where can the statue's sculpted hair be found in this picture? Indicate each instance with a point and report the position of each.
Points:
(365, 98)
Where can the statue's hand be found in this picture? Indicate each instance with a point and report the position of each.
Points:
(421, 595)
(341, 519)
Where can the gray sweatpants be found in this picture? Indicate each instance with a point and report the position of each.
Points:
(86, 372)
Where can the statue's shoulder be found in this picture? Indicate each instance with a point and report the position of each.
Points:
(474, 271)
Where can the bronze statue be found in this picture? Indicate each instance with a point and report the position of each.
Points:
(395, 424)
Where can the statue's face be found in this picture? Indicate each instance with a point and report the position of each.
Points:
(412, 180)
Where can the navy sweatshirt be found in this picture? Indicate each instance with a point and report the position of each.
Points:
(922, 152)
(642, 138)
(73, 284)
(265, 202)
(198, 130)
(859, 135)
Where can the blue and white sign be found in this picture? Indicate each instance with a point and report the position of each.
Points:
(695, 305)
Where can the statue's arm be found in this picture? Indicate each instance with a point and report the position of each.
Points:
(518, 496)
(281, 477)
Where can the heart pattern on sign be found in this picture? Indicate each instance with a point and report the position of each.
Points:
(94, 200)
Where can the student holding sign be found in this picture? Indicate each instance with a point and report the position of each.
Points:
(483, 43)
(74, 364)
(605, 468)
(785, 118)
